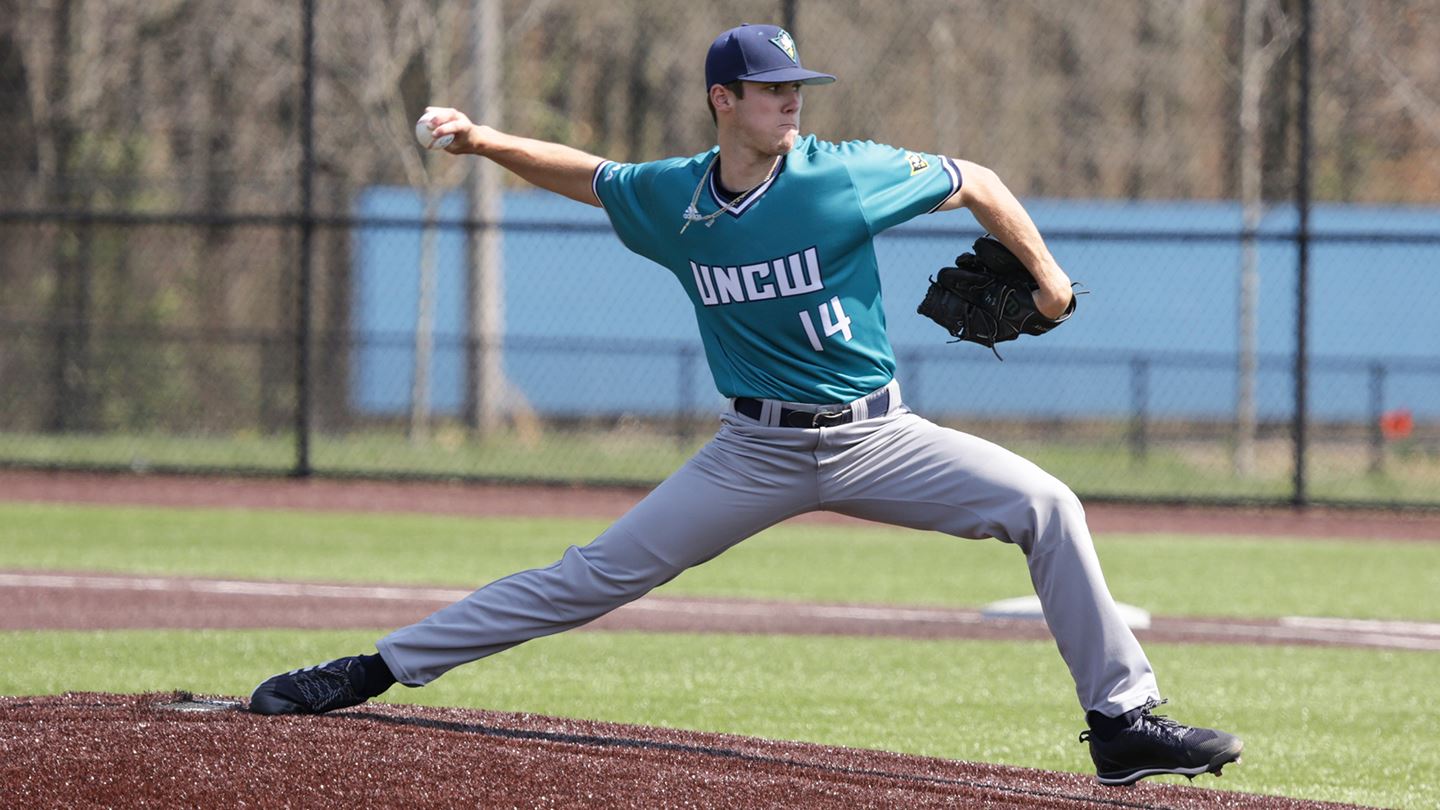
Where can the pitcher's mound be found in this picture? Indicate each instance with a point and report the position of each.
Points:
(178, 749)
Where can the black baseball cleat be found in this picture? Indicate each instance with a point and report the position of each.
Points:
(1153, 744)
(312, 690)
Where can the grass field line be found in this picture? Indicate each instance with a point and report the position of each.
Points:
(1364, 625)
(670, 604)
(1403, 635)
(1305, 628)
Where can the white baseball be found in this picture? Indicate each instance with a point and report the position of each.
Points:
(426, 138)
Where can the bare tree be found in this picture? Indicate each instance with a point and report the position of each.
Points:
(416, 36)
(1257, 57)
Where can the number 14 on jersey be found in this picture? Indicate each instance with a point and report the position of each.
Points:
(832, 320)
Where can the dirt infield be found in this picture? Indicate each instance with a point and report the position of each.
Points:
(84, 749)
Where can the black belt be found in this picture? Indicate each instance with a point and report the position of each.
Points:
(878, 404)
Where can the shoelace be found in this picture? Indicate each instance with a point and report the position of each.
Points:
(1158, 719)
(327, 685)
(1151, 722)
(311, 668)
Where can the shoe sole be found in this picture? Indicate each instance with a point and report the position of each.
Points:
(1131, 777)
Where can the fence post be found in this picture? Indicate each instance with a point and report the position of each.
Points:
(307, 235)
(1302, 236)
(69, 299)
(1140, 405)
(485, 305)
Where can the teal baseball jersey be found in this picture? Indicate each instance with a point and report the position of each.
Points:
(784, 281)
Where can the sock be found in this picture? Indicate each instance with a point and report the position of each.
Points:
(378, 677)
(1106, 727)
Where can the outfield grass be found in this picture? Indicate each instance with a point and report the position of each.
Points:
(1309, 731)
(1168, 575)
(642, 453)
(616, 455)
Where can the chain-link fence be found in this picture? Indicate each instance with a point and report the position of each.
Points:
(221, 249)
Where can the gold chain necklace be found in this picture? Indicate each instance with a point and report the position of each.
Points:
(692, 214)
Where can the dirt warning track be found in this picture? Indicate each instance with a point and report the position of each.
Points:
(489, 500)
(48, 600)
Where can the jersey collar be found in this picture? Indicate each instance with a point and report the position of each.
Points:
(730, 206)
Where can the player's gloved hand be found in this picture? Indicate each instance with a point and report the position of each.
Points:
(987, 298)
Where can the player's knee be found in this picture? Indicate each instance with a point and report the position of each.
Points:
(590, 580)
(1054, 512)
(1065, 503)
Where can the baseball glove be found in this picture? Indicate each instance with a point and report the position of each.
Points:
(987, 298)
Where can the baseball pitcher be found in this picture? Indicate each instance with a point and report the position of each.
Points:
(770, 233)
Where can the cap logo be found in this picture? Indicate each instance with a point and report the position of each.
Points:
(786, 44)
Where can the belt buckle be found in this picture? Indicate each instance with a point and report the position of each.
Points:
(831, 418)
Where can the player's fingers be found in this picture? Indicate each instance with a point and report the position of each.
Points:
(468, 135)
(455, 124)
(440, 116)
(456, 128)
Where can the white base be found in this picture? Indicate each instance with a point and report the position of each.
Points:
(1028, 607)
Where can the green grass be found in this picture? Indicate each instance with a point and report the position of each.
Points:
(141, 452)
(1319, 723)
(644, 453)
(1164, 574)
(1309, 731)
(620, 455)
(1337, 472)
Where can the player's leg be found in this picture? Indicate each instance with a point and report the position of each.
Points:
(908, 471)
(731, 489)
(715, 500)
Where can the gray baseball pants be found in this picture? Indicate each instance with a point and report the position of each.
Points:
(895, 468)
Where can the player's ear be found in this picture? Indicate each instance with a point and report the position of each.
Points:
(721, 98)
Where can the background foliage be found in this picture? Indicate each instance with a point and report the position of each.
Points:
(153, 211)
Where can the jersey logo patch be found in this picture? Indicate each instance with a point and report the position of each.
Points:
(786, 44)
(918, 163)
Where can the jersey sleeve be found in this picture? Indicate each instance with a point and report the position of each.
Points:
(626, 192)
(895, 185)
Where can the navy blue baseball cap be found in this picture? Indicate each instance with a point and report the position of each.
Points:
(757, 53)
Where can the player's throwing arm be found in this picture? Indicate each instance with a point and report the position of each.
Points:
(551, 166)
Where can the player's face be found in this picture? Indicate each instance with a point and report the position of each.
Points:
(768, 117)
